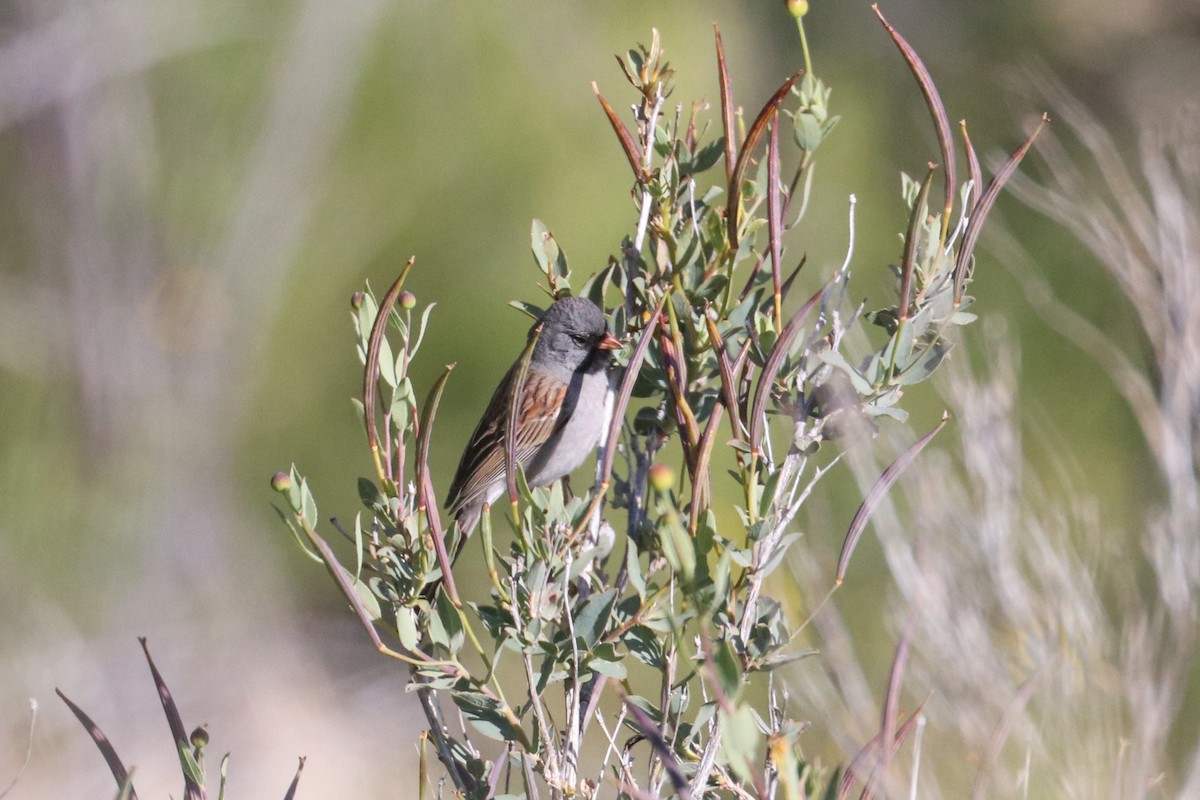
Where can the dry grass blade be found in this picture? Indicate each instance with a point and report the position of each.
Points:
(854, 771)
(727, 121)
(774, 221)
(33, 712)
(775, 362)
(371, 369)
(1003, 729)
(891, 698)
(743, 160)
(426, 499)
(191, 789)
(915, 221)
(936, 108)
(119, 773)
(633, 150)
(291, 792)
(972, 167)
(869, 503)
(980, 212)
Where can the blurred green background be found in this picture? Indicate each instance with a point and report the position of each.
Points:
(192, 190)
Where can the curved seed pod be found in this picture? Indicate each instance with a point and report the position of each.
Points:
(936, 108)
(371, 370)
(425, 497)
(910, 244)
(980, 212)
(775, 362)
(726, 108)
(869, 503)
(633, 151)
(743, 160)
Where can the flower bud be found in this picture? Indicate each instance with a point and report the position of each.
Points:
(661, 477)
(408, 300)
(797, 8)
(199, 738)
(356, 300)
(281, 481)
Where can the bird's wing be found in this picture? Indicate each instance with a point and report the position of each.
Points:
(482, 462)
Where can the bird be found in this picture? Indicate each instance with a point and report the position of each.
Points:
(560, 412)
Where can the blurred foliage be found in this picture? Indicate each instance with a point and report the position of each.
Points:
(130, 475)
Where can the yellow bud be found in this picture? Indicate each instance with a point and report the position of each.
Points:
(797, 8)
(661, 477)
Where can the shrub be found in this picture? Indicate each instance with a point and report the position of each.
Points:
(637, 591)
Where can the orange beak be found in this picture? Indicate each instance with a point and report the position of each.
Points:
(609, 342)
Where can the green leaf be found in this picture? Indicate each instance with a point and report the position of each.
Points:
(371, 497)
(365, 318)
(677, 546)
(551, 260)
(924, 364)
(779, 552)
(808, 132)
(529, 308)
(592, 620)
(191, 769)
(633, 569)
(415, 346)
(646, 706)
(838, 361)
(898, 414)
(909, 189)
(387, 363)
(611, 669)
(369, 601)
(780, 659)
(706, 157)
(593, 288)
(485, 715)
(645, 646)
(902, 343)
(740, 743)
(729, 674)
(767, 497)
(406, 627)
(445, 624)
(308, 504)
(646, 421)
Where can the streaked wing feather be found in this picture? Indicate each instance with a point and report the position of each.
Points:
(483, 460)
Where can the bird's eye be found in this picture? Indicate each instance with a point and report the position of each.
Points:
(579, 339)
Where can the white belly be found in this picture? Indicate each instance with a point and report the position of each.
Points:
(578, 438)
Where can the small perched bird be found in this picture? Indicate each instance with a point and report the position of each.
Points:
(560, 412)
